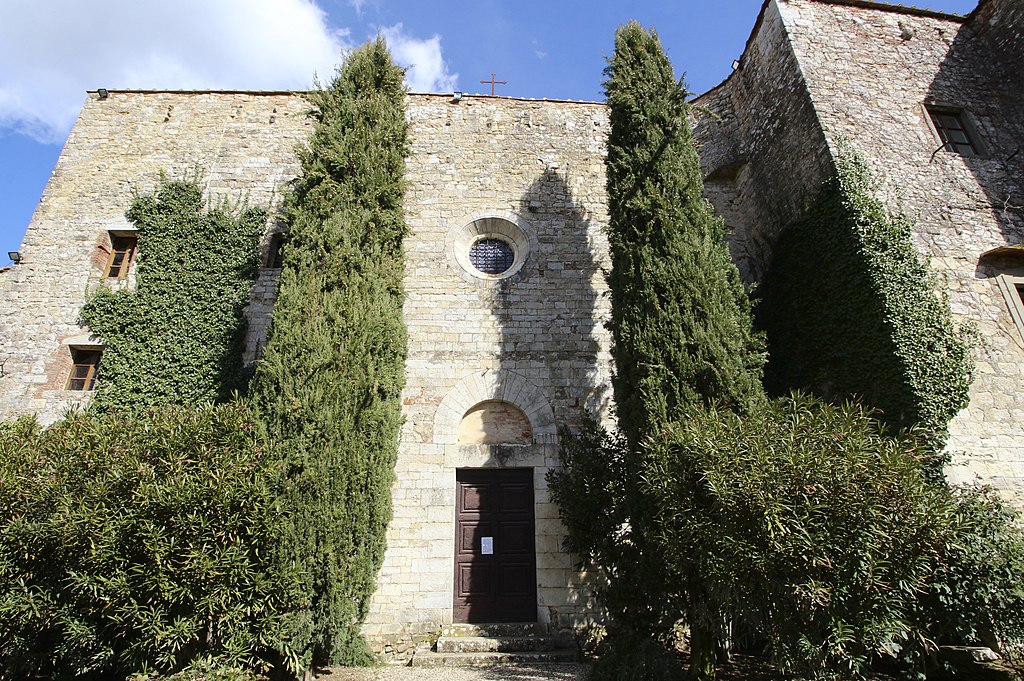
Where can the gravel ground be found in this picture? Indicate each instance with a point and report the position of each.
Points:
(509, 672)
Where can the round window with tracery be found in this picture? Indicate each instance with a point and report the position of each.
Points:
(492, 256)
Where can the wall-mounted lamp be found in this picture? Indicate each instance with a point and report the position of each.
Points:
(102, 93)
(735, 64)
(456, 96)
(14, 256)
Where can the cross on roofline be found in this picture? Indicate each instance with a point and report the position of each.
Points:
(493, 83)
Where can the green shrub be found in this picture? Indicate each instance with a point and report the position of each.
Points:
(808, 521)
(595, 491)
(136, 543)
(977, 592)
(634, 658)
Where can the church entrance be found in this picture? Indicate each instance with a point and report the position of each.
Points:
(495, 561)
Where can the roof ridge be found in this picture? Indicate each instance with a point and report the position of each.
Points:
(898, 9)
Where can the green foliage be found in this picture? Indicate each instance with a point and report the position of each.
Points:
(681, 329)
(851, 310)
(680, 318)
(808, 521)
(596, 492)
(328, 385)
(633, 658)
(977, 592)
(136, 543)
(176, 337)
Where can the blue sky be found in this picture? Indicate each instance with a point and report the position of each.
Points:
(52, 51)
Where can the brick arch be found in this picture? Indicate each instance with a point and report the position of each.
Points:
(490, 385)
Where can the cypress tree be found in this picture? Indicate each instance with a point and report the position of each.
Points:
(681, 321)
(329, 382)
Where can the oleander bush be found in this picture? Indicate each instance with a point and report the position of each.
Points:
(137, 543)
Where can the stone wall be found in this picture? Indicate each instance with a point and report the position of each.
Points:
(241, 143)
(532, 171)
(870, 73)
(817, 70)
(762, 149)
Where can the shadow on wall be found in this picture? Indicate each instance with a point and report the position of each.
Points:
(548, 359)
(979, 88)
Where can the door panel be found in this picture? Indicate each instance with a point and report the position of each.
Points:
(495, 561)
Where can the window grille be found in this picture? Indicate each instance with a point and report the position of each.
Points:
(492, 256)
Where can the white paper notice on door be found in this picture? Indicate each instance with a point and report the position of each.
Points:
(487, 546)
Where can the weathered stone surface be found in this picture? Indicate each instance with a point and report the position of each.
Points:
(817, 71)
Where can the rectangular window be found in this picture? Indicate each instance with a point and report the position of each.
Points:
(86, 363)
(954, 132)
(122, 252)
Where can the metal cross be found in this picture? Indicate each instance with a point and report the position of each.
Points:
(493, 83)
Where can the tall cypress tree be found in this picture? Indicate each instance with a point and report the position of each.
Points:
(681, 321)
(329, 382)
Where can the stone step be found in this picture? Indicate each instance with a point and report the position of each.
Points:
(432, 659)
(490, 644)
(499, 630)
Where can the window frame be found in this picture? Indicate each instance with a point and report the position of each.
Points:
(129, 253)
(1012, 288)
(932, 112)
(88, 381)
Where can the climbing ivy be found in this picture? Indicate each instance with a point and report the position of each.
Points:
(329, 383)
(176, 337)
(852, 310)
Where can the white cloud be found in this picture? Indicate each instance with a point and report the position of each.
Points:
(427, 71)
(358, 5)
(53, 51)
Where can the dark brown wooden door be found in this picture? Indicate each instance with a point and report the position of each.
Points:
(495, 562)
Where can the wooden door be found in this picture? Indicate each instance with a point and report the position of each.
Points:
(495, 562)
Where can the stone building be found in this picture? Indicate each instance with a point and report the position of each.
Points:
(506, 297)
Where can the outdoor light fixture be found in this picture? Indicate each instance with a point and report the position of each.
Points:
(456, 96)
(102, 92)
(15, 256)
(735, 64)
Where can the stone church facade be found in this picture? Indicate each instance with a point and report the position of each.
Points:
(505, 291)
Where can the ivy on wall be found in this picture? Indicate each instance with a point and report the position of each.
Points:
(328, 386)
(852, 310)
(176, 337)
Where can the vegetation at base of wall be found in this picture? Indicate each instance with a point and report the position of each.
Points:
(812, 525)
(176, 336)
(852, 311)
(625, 658)
(136, 542)
(976, 594)
(329, 382)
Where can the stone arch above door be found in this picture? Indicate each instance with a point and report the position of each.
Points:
(494, 386)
